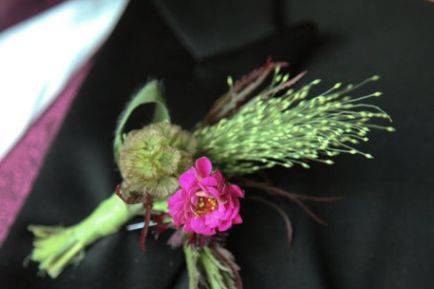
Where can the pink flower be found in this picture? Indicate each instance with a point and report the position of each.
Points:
(205, 204)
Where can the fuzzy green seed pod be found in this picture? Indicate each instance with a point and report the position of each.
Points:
(152, 158)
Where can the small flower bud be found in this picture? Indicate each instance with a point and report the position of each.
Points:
(152, 158)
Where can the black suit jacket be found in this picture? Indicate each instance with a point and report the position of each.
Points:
(379, 236)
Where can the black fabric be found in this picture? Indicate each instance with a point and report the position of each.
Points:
(207, 28)
(380, 234)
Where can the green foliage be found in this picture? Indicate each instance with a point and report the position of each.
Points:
(192, 258)
(282, 126)
(218, 275)
(206, 266)
(151, 93)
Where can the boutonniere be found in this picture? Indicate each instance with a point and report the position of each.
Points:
(193, 182)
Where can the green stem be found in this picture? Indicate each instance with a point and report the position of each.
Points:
(56, 247)
(191, 258)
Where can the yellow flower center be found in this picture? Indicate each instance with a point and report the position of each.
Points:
(205, 206)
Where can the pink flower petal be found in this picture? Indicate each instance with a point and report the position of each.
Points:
(219, 177)
(235, 213)
(198, 225)
(213, 219)
(237, 191)
(209, 181)
(208, 231)
(225, 226)
(201, 193)
(187, 228)
(238, 220)
(221, 208)
(203, 166)
(188, 179)
(213, 192)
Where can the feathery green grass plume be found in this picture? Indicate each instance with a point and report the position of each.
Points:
(282, 126)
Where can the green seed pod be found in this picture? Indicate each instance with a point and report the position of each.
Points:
(152, 158)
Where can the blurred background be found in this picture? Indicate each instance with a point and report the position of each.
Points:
(68, 67)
